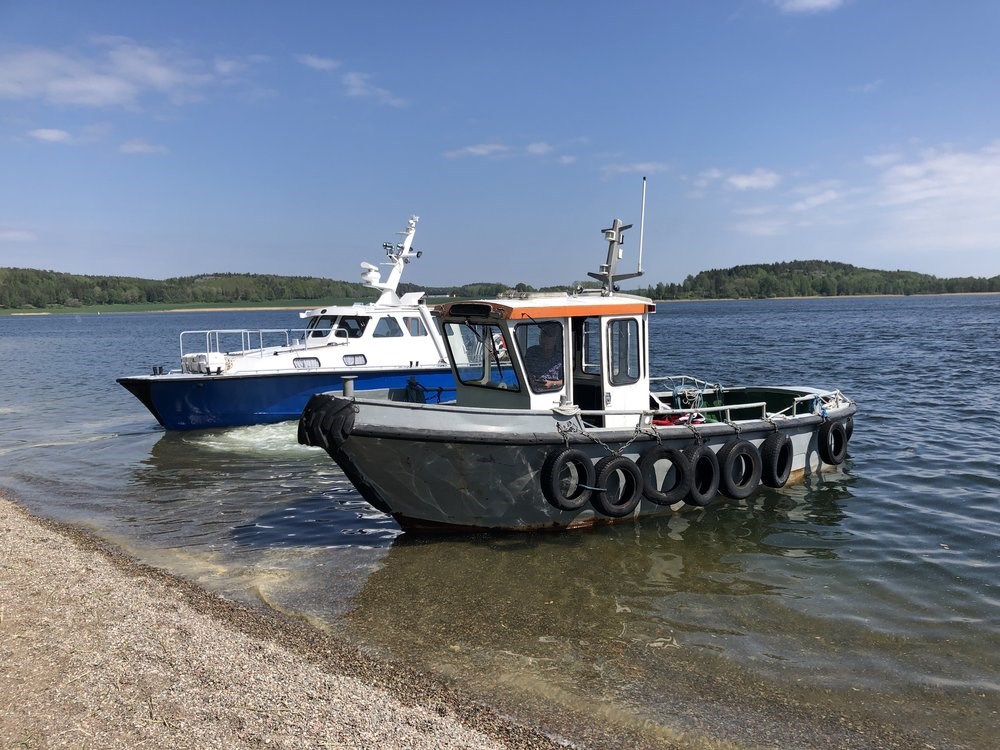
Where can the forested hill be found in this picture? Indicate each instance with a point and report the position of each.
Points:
(23, 288)
(808, 278)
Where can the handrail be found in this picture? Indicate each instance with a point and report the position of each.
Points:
(251, 341)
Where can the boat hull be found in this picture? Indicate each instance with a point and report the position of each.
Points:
(195, 401)
(453, 469)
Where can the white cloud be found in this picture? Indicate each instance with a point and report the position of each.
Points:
(759, 179)
(761, 223)
(318, 63)
(480, 149)
(807, 6)
(51, 135)
(943, 201)
(356, 84)
(867, 88)
(882, 160)
(118, 74)
(538, 149)
(17, 235)
(645, 167)
(814, 201)
(139, 146)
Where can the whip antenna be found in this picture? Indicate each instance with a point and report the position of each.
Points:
(642, 222)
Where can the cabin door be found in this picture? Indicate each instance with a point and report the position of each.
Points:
(625, 381)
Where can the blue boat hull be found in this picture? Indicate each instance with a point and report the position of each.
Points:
(194, 402)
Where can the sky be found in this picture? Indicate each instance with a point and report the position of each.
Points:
(248, 136)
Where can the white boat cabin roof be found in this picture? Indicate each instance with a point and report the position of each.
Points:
(535, 307)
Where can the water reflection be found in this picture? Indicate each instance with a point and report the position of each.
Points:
(599, 615)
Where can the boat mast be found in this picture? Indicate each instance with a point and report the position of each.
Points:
(607, 276)
(399, 255)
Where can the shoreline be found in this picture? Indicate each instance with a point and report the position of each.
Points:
(99, 650)
(251, 308)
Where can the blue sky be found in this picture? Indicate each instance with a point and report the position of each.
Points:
(177, 138)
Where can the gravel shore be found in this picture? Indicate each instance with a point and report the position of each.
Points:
(99, 651)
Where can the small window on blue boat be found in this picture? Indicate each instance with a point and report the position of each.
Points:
(415, 326)
(353, 326)
(387, 328)
(305, 363)
(355, 360)
(623, 351)
(319, 327)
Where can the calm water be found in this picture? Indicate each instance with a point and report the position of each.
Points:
(868, 592)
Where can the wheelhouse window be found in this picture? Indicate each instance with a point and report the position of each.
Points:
(387, 328)
(415, 326)
(623, 351)
(353, 326)
(479, 352)
(321, 326)
(541, 346)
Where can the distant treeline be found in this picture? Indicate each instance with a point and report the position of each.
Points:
(30, 288)
(808, 278)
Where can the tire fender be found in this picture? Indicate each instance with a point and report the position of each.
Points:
(567, 478)
(704, 474)
(776, 459)
(739, 469)
(831, 442)
(681, 475)
(629, 489)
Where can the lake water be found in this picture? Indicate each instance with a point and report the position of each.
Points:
(867, 593)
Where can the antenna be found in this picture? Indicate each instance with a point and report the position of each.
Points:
(642, 222)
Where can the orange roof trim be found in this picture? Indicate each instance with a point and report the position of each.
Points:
(562, 309)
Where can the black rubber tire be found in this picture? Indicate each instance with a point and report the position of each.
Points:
(776, 454)
(704, 474)
(831, 442)
(681, 474)
(849, 426)
(326, 422)
(554, 482)
(739, 469)
(630, 489)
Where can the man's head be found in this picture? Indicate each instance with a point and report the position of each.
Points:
(550, 330)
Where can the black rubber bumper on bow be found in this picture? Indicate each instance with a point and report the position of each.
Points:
(326, 422)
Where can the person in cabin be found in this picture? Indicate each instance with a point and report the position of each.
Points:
(544, 360)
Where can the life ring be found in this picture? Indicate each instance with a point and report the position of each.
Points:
(567, 478)
(831, 442)
(704, 474)
(776, 459)
(739, 469)
(681, 475)
(629, 490)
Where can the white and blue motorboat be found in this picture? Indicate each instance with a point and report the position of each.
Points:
(387, 349)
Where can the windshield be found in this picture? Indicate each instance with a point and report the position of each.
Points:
(479, 351)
